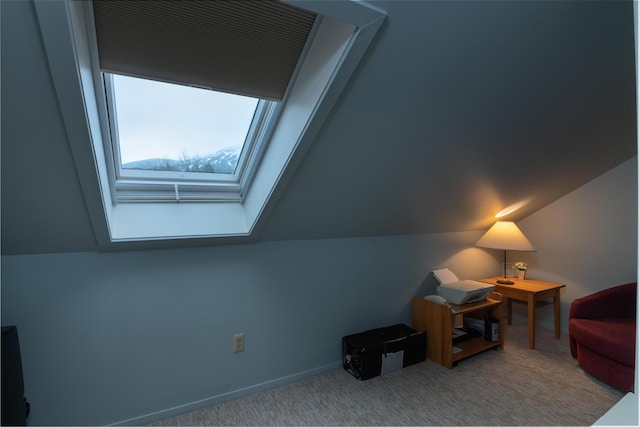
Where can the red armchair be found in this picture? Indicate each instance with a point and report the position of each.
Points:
(602, 334)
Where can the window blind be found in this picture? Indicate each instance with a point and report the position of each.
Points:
(246, 47)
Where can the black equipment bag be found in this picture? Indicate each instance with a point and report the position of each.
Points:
(378, 351)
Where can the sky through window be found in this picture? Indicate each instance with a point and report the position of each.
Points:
(173, 122)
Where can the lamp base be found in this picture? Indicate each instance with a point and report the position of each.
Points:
(505, 282)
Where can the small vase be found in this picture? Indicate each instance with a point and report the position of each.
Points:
(521, 274)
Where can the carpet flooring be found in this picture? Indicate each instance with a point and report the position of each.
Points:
(510, 386)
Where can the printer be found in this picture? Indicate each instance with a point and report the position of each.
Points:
(457, 291)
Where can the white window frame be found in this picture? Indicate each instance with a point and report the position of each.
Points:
(346, 30)
(165, 186)
(168, 186)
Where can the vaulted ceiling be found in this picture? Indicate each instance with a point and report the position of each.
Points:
(457, 110)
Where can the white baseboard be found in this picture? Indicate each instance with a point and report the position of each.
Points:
(225, 397)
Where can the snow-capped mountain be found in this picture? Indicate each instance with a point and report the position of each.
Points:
(222, 161)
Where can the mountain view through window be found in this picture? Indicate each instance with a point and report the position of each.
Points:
(170, 127)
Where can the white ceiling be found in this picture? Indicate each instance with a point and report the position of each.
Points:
(457, 110)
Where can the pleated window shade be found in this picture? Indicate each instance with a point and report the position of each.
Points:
(243, 47)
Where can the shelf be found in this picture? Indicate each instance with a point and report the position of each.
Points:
(472, 346)
(475, 306)
(437, 320)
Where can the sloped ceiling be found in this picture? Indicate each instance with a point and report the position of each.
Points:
(458, 110)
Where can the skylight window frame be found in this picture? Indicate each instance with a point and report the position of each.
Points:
(347, 29)
(130, 185)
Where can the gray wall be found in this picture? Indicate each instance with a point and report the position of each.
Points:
(586, 240)
(135, 336)
(111, 336)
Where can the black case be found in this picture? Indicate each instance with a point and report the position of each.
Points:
(362, 353)
(15, 408)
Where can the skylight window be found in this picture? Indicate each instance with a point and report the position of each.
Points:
(206, 79)
(173, 142)
(296, 57)
(163, 127)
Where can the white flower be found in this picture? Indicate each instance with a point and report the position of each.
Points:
(520, 266)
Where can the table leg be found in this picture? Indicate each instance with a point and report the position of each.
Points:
(508, 311)
(556, 312)
(531, 305)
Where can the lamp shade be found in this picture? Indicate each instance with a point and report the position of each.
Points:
(505, 235)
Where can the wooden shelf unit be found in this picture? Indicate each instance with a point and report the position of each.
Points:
(438, 320)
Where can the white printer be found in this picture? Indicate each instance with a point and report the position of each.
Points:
(457, 291)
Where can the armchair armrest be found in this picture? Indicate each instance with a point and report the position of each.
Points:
(618, 302)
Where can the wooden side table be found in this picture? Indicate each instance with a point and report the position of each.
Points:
(438, 320)
(531, 292)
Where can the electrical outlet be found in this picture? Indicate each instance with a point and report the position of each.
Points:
(238, 343)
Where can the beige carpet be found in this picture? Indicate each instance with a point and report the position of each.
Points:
(513, 386)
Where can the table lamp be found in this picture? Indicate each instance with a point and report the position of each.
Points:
(507, 236)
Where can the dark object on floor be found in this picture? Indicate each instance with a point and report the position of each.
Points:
(15, 408)
(602, 334)
(383, 350)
